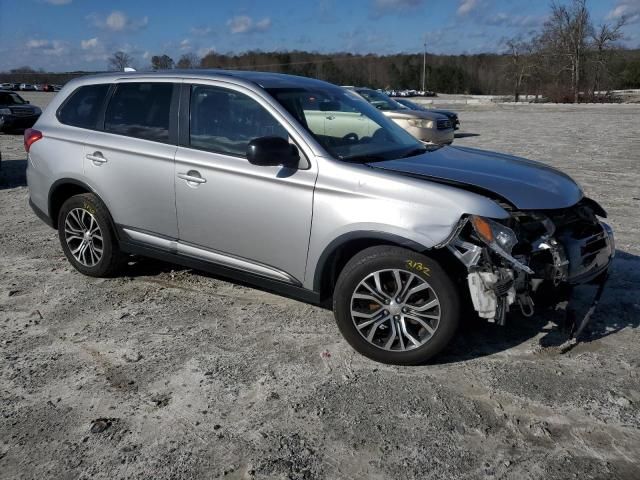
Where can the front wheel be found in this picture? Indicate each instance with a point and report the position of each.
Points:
(396, 306)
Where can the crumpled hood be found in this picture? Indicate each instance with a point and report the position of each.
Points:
(528, 185)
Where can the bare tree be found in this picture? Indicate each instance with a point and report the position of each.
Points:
(604, 40)
(566, 35)
(520, 63)
(161, 62)
(188, 60)
(119, 61)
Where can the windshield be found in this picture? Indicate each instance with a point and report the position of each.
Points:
(346, 126)
(380, 100)
(10, 98)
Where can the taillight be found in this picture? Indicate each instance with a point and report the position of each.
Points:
(31, 135)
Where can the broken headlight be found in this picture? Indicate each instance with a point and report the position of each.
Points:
(494, 234)
(499, 238)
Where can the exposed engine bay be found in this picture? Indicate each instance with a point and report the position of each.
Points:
(509, 261)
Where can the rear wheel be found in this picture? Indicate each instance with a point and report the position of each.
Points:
(87, 236)
(396, 306)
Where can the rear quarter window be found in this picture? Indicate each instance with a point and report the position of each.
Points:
(82, 108)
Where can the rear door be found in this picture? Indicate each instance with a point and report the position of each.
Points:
(130, 161)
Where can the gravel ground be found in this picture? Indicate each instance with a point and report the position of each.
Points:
(169, 373)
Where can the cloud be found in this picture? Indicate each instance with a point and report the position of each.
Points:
(466, 6)
(118, 21)
(246, 24)
(58, 2)
(385, 7)
(502, 19)
(89, 44)
(202, 31)
(47, 47)
(625, 8)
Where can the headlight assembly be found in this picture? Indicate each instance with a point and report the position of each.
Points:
(420, 123)
(5, 111)
(499, 238)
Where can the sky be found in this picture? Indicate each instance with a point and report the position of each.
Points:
(65, 35)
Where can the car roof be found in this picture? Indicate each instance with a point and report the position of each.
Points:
(263, 79)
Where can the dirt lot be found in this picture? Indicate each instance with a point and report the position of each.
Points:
(195, 377)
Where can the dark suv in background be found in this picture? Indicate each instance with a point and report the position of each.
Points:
(16, 112)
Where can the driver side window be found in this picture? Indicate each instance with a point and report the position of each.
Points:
(225, 121)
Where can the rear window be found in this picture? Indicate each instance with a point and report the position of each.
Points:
(83, 106)
(140, 110)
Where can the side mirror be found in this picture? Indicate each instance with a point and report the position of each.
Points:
(272, 151)
(27, 101)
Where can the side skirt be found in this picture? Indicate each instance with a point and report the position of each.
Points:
(242, 277)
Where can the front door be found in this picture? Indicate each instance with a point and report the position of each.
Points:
(250, 217)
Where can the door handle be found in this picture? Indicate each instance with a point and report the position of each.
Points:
(97, 158)
(330, 117)
(192, 176)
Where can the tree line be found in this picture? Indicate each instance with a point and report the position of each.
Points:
(569, 60)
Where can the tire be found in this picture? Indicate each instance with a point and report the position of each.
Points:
(101, 256)
(419, 335)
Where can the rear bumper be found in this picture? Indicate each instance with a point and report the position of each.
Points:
(40, 214)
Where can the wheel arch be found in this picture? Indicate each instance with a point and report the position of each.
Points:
(336, 255)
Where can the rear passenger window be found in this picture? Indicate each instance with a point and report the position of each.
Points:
(140, 110)
(83, 106)
(226, 121)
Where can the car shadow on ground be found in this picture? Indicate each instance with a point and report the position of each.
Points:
(13, 174)
(465, 135)
(618, 308)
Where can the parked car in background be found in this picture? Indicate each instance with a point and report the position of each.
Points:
(426, 126)
(15, 112)
(27, 87)
(398, 237)
(6, 86)
(453, 116)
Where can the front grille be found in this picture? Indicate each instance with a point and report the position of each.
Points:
(443, 124)
(22, 112)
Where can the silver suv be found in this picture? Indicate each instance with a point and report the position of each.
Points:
(239, 173)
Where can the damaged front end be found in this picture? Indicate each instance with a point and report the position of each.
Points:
(510, 261)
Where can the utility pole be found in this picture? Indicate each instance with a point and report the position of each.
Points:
(424, 65)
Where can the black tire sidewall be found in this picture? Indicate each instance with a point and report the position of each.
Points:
(110, 250)
(380, 258)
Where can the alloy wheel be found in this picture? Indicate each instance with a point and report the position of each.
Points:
(395, 310)
(84, 237)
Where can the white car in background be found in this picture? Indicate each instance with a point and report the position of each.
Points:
(428, 127)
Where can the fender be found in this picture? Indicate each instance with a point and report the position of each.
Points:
(343, 239)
